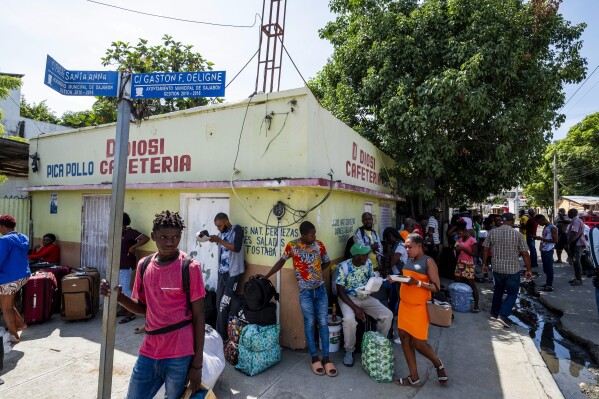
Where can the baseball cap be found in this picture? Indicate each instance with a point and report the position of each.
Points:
(508, 216)
(359, 249)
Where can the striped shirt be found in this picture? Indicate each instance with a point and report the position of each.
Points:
(507, 244)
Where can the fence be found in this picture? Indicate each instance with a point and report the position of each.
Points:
(20, 209)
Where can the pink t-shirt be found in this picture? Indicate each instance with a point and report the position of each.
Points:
(463, 256)
(167, 304)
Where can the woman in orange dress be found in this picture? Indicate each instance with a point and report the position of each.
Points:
(412, 316)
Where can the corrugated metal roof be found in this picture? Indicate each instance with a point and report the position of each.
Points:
(14, 157)
(582, 199)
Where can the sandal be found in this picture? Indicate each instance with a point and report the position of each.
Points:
(330, 369)
(407, 381)
(127, 319)
(442, 379)
(317, 368)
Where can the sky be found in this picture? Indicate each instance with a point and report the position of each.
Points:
(77, 33)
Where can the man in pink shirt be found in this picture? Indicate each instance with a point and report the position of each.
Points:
(172, 350)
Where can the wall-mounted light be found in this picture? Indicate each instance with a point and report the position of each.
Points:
(34, 161)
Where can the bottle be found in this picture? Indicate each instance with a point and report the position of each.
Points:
(334, 312)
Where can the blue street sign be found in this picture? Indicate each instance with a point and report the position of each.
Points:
(178, 84)
(80, 83)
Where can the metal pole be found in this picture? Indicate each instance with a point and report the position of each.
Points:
(555, 187)
(279, 272)
(117, 202)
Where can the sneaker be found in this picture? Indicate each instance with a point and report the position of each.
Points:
(348, 359)
(572, 280)
(507, 323)
(397, 341)
(493, 317)
(576, 282)
(548, 289)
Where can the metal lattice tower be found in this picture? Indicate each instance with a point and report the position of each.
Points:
(270, 53)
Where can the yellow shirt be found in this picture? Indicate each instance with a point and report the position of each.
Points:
(523, 221)
(372, 254)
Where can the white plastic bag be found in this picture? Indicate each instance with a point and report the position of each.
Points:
(214, 357)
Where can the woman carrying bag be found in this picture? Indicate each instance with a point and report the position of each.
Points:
(412, 317)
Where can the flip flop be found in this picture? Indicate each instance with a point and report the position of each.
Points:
(330, 369)
(127, 319)
(317, 368)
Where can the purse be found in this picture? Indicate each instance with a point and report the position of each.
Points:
(439, 312)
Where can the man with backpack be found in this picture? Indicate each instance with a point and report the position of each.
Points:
(231, 266)
(169, 291)
(367, 236)
(355, 303)
(310, 259)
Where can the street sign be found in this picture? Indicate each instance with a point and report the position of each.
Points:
(178, 84)
(80, 83)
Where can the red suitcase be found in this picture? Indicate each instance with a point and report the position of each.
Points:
(38, 297)
(59, 272)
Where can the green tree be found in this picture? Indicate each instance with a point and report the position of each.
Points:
(463, 93)
(7, 83)
(170, 56)
(39, 112)
(577, 164)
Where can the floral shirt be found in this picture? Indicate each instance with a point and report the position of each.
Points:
(307, 262)
(355, 278)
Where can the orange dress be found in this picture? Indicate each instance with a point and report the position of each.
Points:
(412, 315)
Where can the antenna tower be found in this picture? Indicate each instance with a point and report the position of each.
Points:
(270, 53)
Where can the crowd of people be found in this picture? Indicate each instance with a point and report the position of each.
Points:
(475, 247)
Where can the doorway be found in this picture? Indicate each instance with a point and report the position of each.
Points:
(95, 215)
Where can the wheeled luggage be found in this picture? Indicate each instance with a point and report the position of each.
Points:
(59, 272)
(38, 296)
(80, 295)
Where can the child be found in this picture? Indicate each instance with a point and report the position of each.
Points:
(172, 350)
(309, 260)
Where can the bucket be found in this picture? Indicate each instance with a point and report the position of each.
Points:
(460, 297)
(334, 334)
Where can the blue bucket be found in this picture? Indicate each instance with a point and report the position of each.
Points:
(460, 297)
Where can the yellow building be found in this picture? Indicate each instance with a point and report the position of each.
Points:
(240, 158)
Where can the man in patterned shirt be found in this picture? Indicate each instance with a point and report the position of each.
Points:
(353, 276)
(310, 258)
(506, 244)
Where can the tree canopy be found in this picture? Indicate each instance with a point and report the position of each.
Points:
(170, 56)
(39, 112)
(462, 93)
(577, 164)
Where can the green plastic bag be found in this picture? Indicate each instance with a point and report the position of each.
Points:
(377, 356)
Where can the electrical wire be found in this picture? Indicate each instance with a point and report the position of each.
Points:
(246, 64)
(247, 107)
(579, 87)
(256, 17)
(276, 135)
(583, 96)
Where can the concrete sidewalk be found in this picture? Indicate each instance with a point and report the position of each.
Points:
(60, 360)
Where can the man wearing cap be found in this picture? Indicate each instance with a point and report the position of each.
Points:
(506, 244)
(355, 304)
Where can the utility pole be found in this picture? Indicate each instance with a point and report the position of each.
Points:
(555, 187)
(117, 201)
(270, 52)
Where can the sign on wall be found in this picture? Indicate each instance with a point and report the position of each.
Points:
(80, 83)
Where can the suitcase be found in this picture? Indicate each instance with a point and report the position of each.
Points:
(38, 296)
(59, 272)
(80, 295)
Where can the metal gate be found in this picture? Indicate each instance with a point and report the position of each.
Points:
(20, 209)
(95, 214)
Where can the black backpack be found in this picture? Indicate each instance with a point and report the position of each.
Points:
(258, 292)
(186, 289)
(350, 243)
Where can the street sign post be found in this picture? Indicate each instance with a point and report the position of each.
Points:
(80, 83)
(178, 84)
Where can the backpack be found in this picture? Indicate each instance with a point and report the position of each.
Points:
(350, 243)
(258, 292)
(186, 289)
(343, 265)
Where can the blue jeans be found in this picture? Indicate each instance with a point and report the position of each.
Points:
(315, 309)
(547, 259)
(510, 284)
(150, 374)
(533, 251)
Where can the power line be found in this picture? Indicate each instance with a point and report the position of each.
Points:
(583, 96)
(256, 17)
(580, 87)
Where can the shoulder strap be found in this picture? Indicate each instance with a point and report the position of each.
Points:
(186, 284)
(363, 233)
(142, 270)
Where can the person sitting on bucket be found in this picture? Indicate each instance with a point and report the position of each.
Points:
(353, 275)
